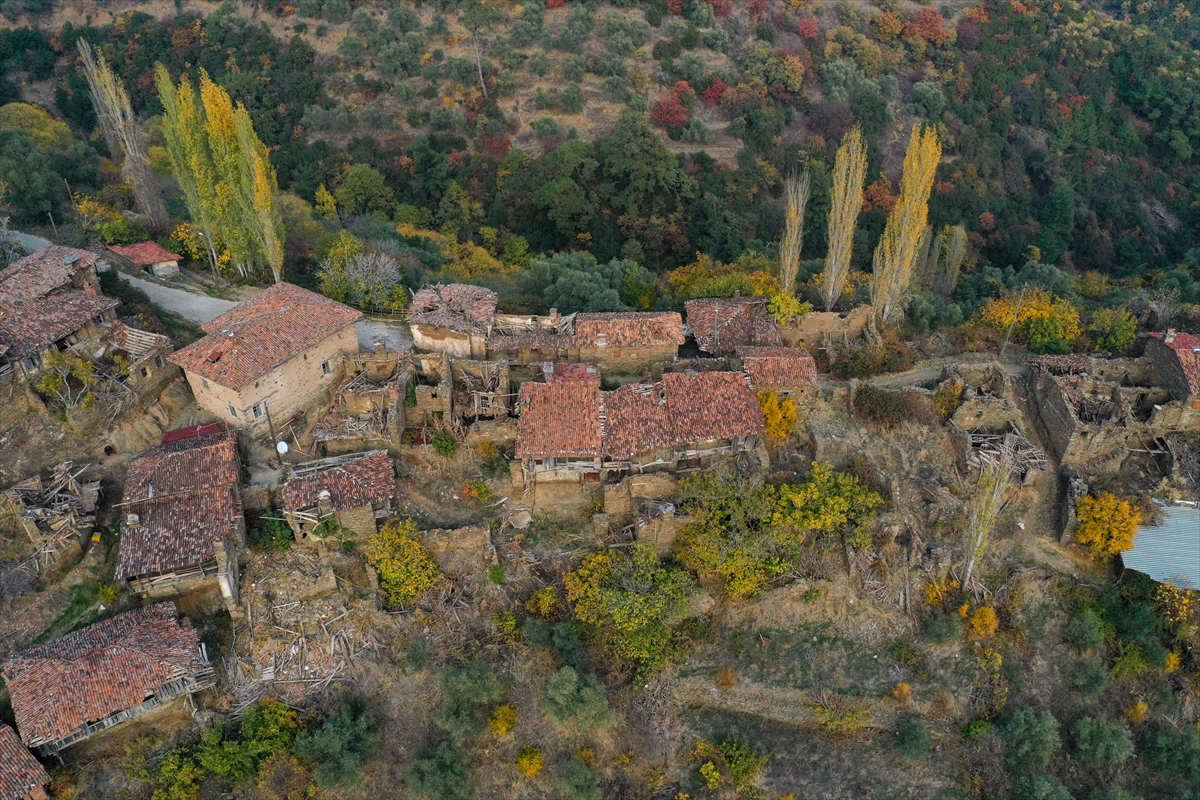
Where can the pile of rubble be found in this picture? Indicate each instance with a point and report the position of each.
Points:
(56, 513)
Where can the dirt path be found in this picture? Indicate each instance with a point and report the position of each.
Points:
(198, 308)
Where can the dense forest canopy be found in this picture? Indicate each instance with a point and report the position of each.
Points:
(1070, 132)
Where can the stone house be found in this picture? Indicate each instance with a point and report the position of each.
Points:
(50, 301)
(827, 329)
(354, 491)
(148, 256)
(22, 777)
(571, 431)
(74, 687)
(270, 357)
(788, 371)
(455, 320)
(183, 528)
(1175, 362)
(142, 354)
(626, 342)
(720, 324)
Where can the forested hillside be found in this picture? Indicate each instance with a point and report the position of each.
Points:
(653, 132)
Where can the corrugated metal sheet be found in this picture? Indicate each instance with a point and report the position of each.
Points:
(1170, 550)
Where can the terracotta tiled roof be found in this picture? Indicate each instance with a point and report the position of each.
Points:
(367, 481)
(93, 673)
(184, 496)
(256, 336)
(1068, 364)
(721, 323)
(563, 419)
(769, 367)
(20, 772)
(38, 274)
(28, 326)
(458, 307)
(602, 329)
(578, 371)
(143, 254)
(559, 420)
(1187, 351)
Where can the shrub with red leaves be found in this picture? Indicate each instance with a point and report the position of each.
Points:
(675, 6)
(722, 8)
(670, 114)
(927, 24)
(987, 221)
(555, 3)
(757, 8)
(808, 29)
(713, 94)
(496, 146)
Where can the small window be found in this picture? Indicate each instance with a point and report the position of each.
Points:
(161, 363)
(232, 411)
(145, 372)
(32, 363)
(257, 410)
(326, 367)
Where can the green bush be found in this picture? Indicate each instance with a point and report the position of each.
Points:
(1039, 788)
(340, 746)
(496, 574)
(1031, 738)
(440, 774)
(871, 360)
(559, 637)
(1085, 631)
(272, 535)
(336, 11)
(945, 628)
(912, 740)
(465, 692)
(416, 655)
(578, 781)
(1115, 793)
(1090, 677)
(887, 409)
(444, 444)
(1176, 753)
(571, 99)
(571, 697)
(976, 729)
(267, 728)
(1103, 742)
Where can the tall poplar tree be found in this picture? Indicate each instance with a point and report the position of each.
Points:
(901, 241)
(124, 135)
(849, 173)
(224, 173)
(795, 189)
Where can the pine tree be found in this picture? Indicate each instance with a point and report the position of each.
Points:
(123, 134)
(796, 191)
(849, 173)
(897, 252)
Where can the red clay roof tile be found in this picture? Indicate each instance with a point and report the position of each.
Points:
(93, 673)
(366, 481)
(258, 335)
(778, 367)
(20, 772)
(1187, 350)
(719, 324)
(143, 254)
(458, 307)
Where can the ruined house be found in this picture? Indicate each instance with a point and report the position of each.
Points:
(824, 330)
(74, 687)
(22, 777)
(183, 527)
(50, 301)
(368, 411)
(141, 355)
(353, 491)
(620, 342)
(481, 389)
(1175, 361)
(271, 357)
(455, 320)
(721, 324)
(1090, 424)
(149, 256)
(429, 394)
(571, 431)
(788, 371)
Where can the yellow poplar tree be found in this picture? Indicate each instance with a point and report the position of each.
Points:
(849, 173)
(796, 192)
(264, 193)
(232, 190)
(901, 241)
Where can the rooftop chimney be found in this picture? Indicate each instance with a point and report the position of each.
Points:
(132, 520)
(1169, 336)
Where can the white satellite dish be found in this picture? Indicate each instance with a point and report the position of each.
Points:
(281, 448)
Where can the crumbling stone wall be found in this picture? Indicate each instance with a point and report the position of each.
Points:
(813, 329)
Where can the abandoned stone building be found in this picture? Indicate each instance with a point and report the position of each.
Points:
(352, 492)
(571, 431)
(50, 301)
(149, 256)
(183, 528)
(22, 777)
(1090, 424)
(823, 330)
(368, 410)
(720, 324)
(455, 320)
(1175, 361)
(81, 684)
(621, 342)
(142, 356)
(788, 371)
(271, 357)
